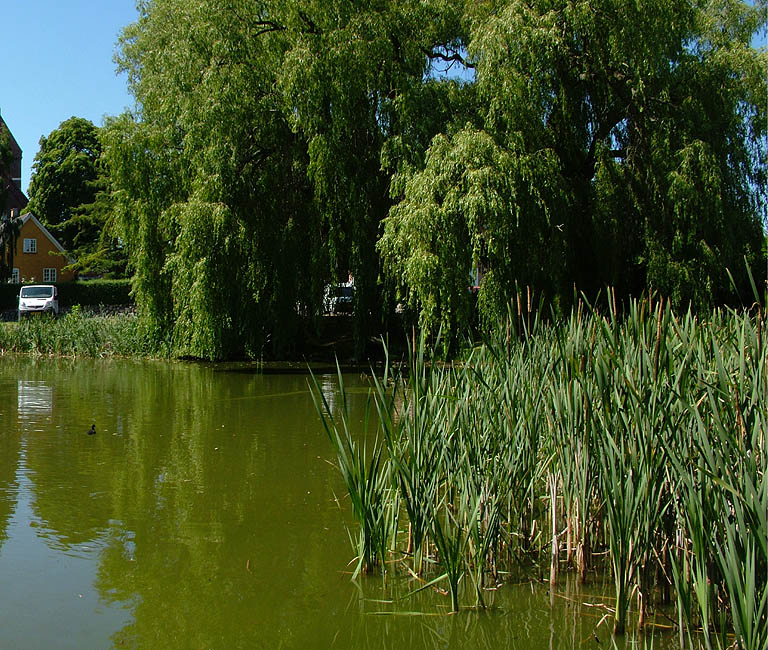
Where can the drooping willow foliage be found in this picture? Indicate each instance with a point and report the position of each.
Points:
(251, 174)
(632, 445)
(278, 146)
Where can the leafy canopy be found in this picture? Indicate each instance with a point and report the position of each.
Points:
(251, 174)
(65, 175)
(620, 144)
(277, 145)
(70, 192)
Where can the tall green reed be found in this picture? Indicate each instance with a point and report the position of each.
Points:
(636, 435)
(726, 492)
(366, 473)
(413, 418)
(78, 334)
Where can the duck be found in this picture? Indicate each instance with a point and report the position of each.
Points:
(92, 430)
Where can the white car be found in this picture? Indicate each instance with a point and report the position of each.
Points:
(38, 299)
(338, 298)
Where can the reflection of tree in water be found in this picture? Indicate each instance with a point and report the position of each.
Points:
(35, 399)
(212, 527)
(210, 499)
(71, 472)
(523, 617)
(10, 448)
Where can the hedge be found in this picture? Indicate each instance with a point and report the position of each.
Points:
(90, 292)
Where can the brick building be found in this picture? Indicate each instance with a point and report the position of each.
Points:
(11, 179)
(38, 257)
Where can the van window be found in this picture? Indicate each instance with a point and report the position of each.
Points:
(36, 292)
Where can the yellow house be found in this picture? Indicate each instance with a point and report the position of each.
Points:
(38, 256)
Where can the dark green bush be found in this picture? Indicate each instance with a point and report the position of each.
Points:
(95, 292)
(90, 292)
(9, 294)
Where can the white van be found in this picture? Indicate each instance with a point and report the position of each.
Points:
(38, 299)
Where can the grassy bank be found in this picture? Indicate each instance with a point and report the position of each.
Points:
(79, 335)
(635, 446)
(82, 333)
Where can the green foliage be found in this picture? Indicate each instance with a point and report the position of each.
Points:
(581, 144)
(475, 203)
(95, 292)
(211, 185)
(262, 125)
(354, 75)
(65, 176)
(97, 248)
(366, 476)
(70, 192)
(642, 437)
(617, 146)
(79, 335)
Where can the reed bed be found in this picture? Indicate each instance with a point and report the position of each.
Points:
(632, 444)
(78, 334)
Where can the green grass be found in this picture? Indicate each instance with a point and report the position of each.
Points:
(79, 335)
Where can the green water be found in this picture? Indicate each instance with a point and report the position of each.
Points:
(203, 514)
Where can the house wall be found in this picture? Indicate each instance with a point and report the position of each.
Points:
(31, 265)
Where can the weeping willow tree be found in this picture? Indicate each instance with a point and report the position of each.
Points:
(277, 145)
(358, 78)
(619, 144)
(210, 178)
(251, 173)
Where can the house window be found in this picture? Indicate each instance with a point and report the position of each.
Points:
(15, 276)
(30, 245)
(49, 275)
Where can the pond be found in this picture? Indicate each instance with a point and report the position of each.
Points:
(204, 513)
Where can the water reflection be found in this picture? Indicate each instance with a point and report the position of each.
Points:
(202, 515)
(329, 387)
(202, 499)
(34, 398)
(9, 461)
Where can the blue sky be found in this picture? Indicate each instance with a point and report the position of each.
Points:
(57, 62)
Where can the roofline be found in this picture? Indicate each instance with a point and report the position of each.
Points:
(26, 217)
(12, 140)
